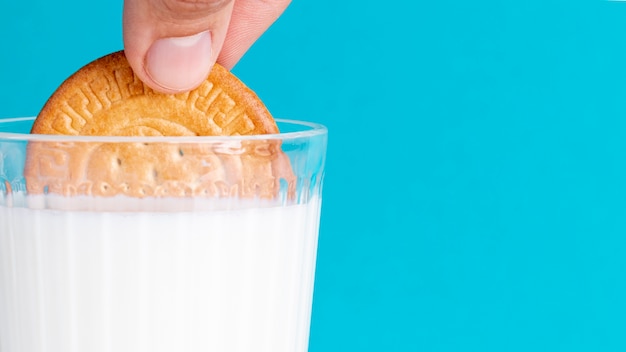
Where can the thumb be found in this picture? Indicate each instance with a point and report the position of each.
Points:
(172, 44)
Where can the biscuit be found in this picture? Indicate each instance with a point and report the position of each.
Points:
(105, 98)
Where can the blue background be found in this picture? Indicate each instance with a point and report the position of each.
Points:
(475, 195)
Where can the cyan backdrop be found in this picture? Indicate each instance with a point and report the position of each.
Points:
(475, 195)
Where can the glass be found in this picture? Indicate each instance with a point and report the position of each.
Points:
(158, 243)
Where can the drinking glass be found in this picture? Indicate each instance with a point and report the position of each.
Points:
(158, 243)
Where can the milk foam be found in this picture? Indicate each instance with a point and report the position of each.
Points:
(210, 280)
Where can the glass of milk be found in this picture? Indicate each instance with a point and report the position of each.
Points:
(171, 268)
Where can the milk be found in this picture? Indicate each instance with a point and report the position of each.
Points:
(122, 281)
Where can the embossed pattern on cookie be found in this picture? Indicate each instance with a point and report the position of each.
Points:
(105, 98)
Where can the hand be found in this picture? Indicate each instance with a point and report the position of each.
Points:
(173, 44)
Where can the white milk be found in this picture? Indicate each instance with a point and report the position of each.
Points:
(218, 281)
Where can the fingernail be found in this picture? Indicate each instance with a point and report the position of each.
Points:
(179, 63)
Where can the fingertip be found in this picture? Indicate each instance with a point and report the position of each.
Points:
(173, 48)
(179, 63)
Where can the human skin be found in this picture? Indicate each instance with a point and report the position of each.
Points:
(173, 44)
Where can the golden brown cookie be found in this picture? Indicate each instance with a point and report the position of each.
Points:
(105, 98)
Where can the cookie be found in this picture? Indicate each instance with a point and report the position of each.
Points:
(105, 98)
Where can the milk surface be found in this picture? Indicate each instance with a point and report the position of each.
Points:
(118, 281)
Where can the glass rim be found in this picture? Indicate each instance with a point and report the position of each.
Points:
(315, 129)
